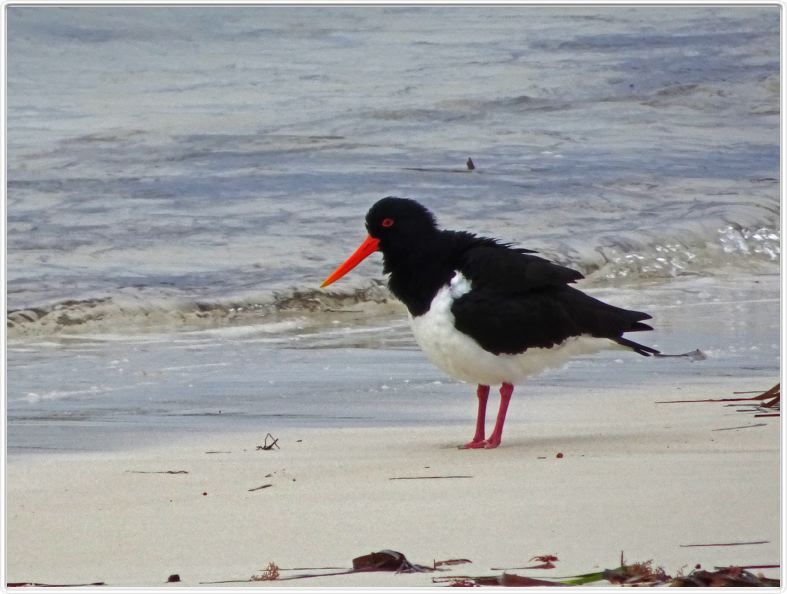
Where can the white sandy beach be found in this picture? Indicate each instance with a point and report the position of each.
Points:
(180, 180)
(635, 476)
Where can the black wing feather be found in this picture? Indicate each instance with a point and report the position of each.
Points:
(513, 270)
(519, 301)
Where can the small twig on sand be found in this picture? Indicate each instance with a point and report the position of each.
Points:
(727, 544)
(774, 392)
(307, 568)
(740, 427)
(305, 576)
(269, 446)
(437, 564)
(39, 585)
(265, 486)
(302, 576)
(507, 579)
(447, 476)
(158, 471)
(762, 403)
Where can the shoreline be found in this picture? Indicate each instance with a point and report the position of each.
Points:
(639, 477)
(113, 392)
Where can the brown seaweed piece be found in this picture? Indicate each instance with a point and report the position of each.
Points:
(735, 577)
(767, 404)
(387, 560)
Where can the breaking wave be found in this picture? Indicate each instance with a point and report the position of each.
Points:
(129, 315)
(729, 248)
(620, 260)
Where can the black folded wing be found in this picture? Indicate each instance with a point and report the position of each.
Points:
(519, 301)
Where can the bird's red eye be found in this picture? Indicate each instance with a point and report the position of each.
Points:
(388, 222)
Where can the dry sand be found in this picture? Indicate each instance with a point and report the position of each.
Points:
(635, 476)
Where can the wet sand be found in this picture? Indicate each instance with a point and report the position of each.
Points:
(636, 476)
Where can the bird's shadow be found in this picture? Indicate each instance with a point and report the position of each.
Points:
(586, 443)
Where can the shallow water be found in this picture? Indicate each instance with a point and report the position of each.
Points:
(180, 180)
(100, 392)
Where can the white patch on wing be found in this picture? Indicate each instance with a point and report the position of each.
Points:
(462, 357)
(459, 286)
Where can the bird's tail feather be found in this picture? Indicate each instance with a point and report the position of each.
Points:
(643, 350)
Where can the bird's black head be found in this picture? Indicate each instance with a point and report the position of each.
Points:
(399, 221)
(398, 227)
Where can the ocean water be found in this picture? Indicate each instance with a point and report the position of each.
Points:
(180, 181)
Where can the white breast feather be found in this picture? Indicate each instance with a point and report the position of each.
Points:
(462, 357)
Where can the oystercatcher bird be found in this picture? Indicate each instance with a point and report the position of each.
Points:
(483, 311)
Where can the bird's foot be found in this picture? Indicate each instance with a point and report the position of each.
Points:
(474, 445)
(486, 444)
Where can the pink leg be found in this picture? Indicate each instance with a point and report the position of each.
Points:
(480, 422)
(497, 435)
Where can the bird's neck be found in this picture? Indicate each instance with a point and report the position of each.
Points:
(419, 271)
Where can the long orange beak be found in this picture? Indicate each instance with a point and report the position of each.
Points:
(369, 246)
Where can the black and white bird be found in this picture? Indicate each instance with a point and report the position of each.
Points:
(483, 311)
